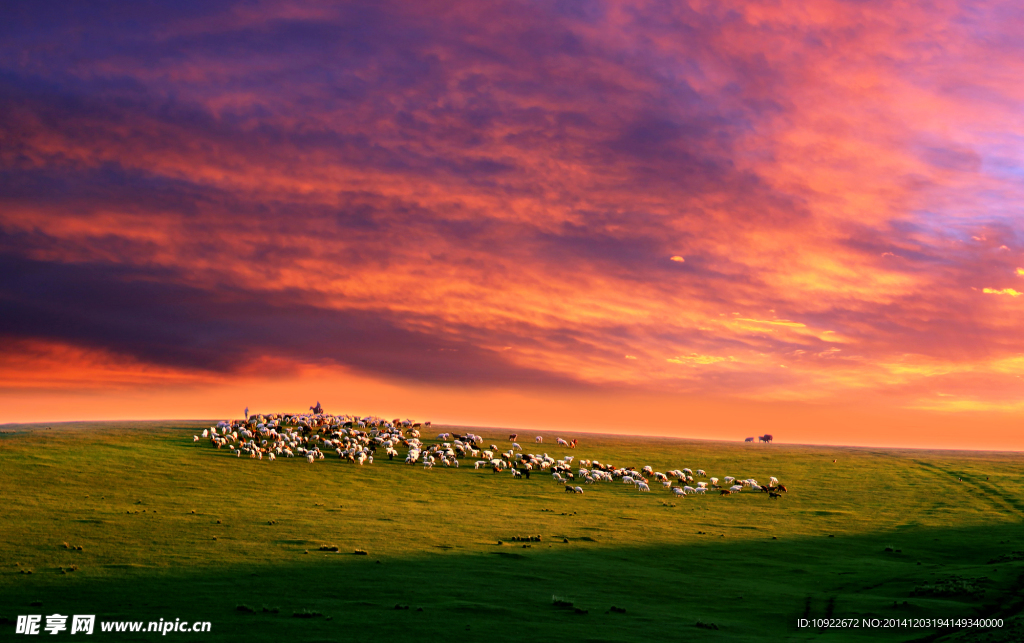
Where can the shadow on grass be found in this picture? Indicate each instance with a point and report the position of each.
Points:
(713, 588)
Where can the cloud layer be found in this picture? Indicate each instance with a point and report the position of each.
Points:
(810, 202)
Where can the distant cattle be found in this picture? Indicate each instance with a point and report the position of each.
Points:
(749, 440)
(767, 437)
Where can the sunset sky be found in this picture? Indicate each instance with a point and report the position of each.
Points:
(706, 219)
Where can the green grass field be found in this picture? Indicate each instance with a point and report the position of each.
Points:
(126, 493)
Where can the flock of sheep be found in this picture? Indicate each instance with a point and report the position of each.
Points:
(358, 439)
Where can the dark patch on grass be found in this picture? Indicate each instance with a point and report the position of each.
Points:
(953, 586)
(1007, 558)
(508, 554)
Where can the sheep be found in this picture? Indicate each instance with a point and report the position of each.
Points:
(270, 456)
(736, 488)
(578, 489)
(678, 491)
(700, 490)
(557, 477)
(773, 481)
(688, 490)
(729, 479)
(569, 489)
(642, 486)
(714, 482)
(515, 445)
(310, 457)
(539, 439)
(560, 442)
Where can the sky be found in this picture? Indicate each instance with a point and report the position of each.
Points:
(702, 219)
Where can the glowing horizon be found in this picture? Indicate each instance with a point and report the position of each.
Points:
(704, 216)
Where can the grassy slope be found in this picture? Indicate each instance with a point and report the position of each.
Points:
(125, 493)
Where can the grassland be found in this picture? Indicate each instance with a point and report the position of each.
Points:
(126, 493)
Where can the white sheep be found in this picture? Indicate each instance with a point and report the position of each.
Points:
(642, 486)
(577, 489)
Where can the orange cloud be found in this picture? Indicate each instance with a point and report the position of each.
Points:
(208, 201)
